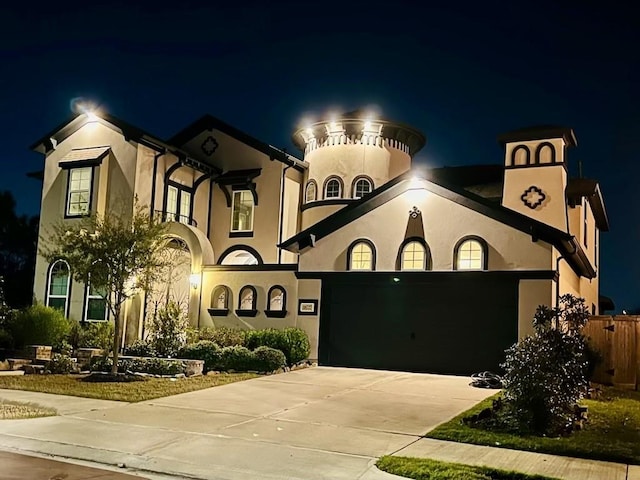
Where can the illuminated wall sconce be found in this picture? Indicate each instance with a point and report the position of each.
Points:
(194, 280)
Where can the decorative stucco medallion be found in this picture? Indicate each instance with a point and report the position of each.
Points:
(209, 145)
(533, 197)
(414, 212)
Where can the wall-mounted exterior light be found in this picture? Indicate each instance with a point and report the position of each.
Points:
(194, 280)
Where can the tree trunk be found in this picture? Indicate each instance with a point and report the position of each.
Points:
(116, 339)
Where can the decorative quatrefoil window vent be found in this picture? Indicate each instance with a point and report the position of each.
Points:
(209, 145)
(533, 197)
(414, 212)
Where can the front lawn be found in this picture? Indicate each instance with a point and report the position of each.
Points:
(425, 469)
(126, 392)
(17, 410)
(612, 432)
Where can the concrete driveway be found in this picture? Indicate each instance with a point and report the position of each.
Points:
(314, 423)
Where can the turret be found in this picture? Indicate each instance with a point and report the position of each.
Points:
(535, 176)
(350, 156)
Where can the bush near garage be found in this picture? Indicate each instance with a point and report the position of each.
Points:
(293, 342)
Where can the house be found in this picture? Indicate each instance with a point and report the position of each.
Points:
(382, 265)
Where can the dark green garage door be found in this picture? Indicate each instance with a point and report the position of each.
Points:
(439, 322)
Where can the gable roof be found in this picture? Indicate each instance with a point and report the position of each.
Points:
(208, 122)
(564, 242)
(73, 124)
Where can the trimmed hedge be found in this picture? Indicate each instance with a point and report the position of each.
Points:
(204, 350)
(223, 336)
(154, 366)
(140, 348)
(268, 359)
(293, 342)
(238, 358)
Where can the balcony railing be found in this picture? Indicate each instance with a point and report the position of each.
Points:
(174, 217)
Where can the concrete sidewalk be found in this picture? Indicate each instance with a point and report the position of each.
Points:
(566, 468)
(325, 423)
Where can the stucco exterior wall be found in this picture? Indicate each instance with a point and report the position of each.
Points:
(265, 219)
(552, 180)
(113, 185)
(444, 222)
(531, 294)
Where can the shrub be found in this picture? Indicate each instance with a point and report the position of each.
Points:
(154, 366)
(140, 348)
(61, 364)
(65, 348)
(268, 359)
(223, 336)
(167, 330)
(203, 350)
(293, 342)
(96, 335)
(546, 373)
(6, 339)
(39, 325)
(236, 358)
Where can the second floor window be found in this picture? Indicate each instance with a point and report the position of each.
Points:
(178, 204)
(332, 188)
(242, 211)
(79, 191)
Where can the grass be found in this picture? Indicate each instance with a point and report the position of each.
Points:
(18, 410)
(125, 392)
(425, 469)
(612, 432)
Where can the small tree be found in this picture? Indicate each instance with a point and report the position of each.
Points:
(116, 252)
(547, 373)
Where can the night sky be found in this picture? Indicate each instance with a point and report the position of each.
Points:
(460, 73)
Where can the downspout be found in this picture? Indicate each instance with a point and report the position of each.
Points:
(284, 172)
(557, 316)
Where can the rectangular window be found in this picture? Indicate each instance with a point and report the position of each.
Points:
(185, 207)
(242, 211)
(79, 191)
(96, 310)
(172, 203)
(178, 204)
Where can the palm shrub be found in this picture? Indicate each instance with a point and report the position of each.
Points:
(547, 373)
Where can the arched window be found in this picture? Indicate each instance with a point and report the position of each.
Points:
(220, 297)
(240, 256)
(311, 192)
(247, 301)
(361, 186)
(361, 256)
(520, 156)
(545, 153)
(333, 188)
(414, 255)
(470, 254)
(58, 285)
(277, 302)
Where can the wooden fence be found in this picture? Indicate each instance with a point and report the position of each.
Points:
(617, 338)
